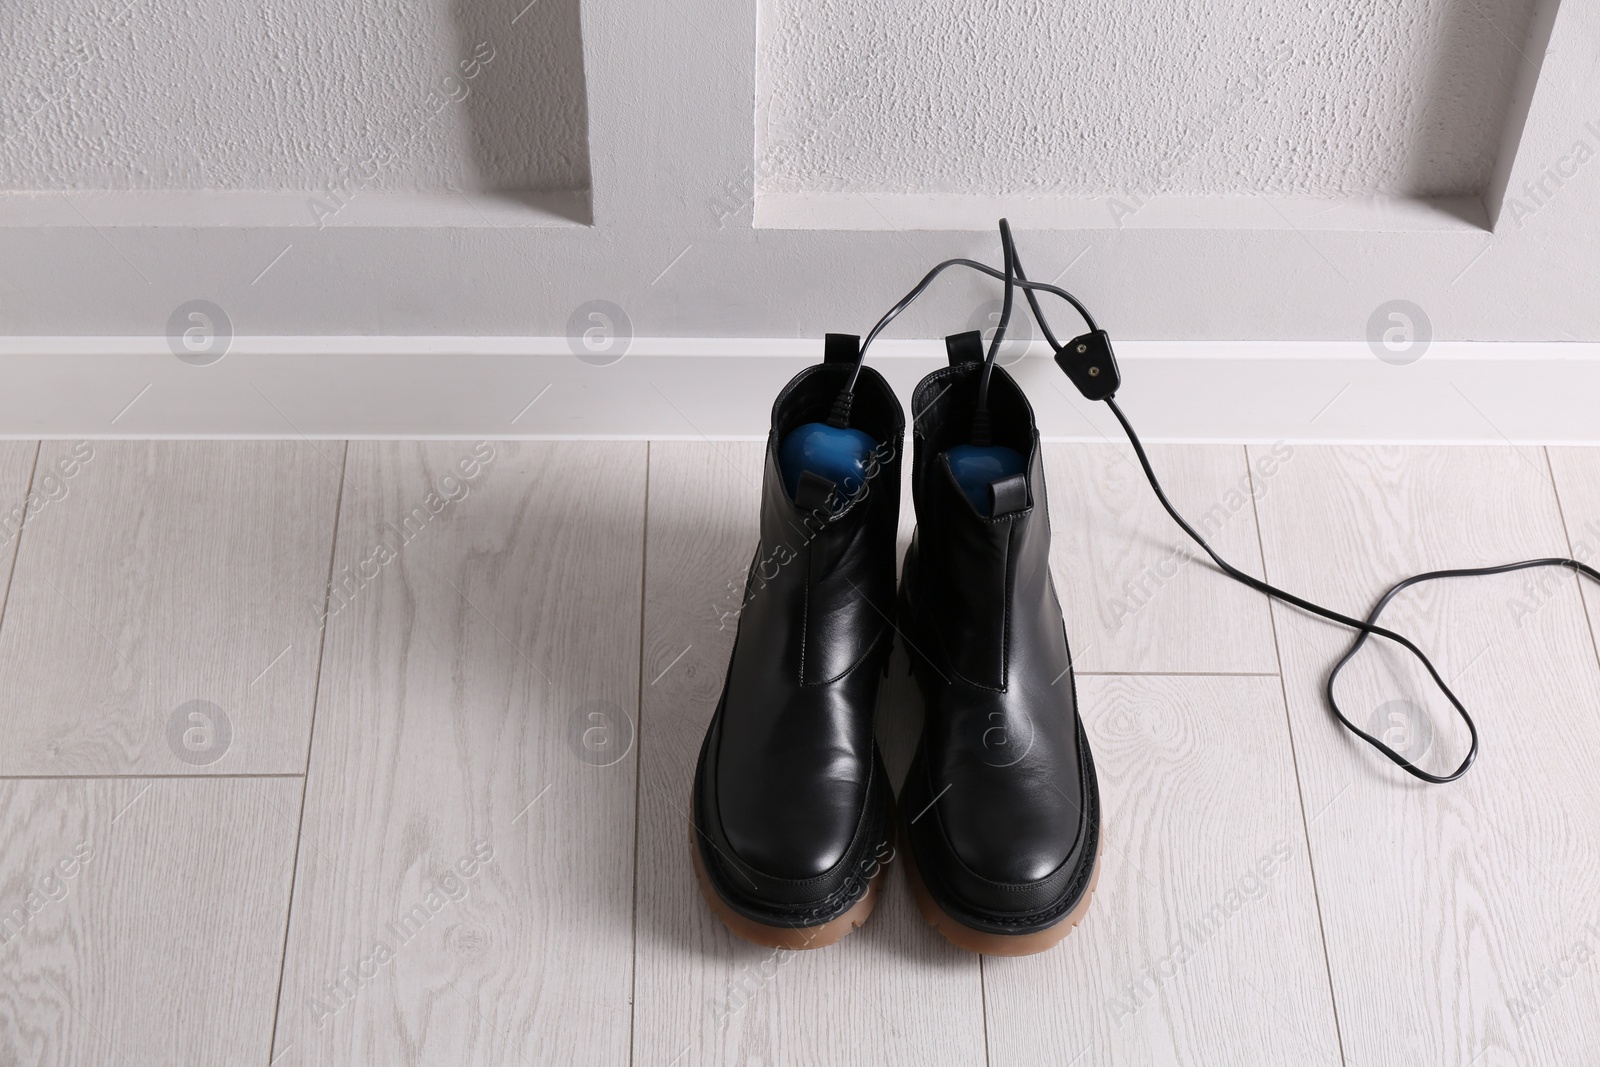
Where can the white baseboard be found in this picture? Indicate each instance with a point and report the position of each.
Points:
(454, 387)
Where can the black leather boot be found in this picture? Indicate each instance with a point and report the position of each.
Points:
(1000, 806)
(791, 800)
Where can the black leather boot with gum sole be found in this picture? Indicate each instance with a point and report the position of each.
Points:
(1001, 809)
(792, 806)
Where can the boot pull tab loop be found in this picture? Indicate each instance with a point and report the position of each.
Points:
(840, 348)
(964, 347)
(814, 493)
(1007, 495)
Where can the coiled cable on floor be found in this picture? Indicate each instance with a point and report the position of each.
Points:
(1364, 629)
(1014, 275)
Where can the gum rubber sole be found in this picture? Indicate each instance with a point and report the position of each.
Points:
(790, 937)
(962, 936)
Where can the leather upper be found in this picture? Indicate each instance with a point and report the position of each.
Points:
(791, 793)
(1002, 789)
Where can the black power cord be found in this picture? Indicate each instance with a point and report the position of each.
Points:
(981, 434)
(1091, 354)
(839, 415)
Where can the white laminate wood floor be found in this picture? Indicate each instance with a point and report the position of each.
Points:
(380, 753)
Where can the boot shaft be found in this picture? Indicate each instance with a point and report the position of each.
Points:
(979, 582)
(821, 587)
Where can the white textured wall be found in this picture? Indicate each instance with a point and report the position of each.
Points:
(675, 167)
(290, 95)
(1100, 97)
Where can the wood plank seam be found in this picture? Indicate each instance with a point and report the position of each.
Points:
(305, 776)
(1294, 760)
(638, 757)
(16, 542)
(1572, 552)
